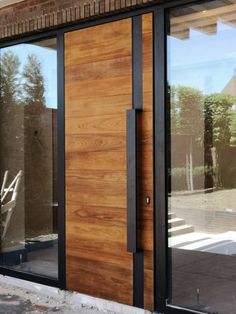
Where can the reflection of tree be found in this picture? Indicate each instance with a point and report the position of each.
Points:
(9, 80)
(10, 112)
(34, 89)
(218, 109)
(31, 92)
(218, 114)
(190, 104)
(19, 90)
(204, 122)
(186, 109)
(26, 139)
(11, 135)
(38, 150)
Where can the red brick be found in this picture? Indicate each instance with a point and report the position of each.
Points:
(31, 15)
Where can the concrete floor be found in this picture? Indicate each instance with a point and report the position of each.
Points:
(18, 301)
(19, 296)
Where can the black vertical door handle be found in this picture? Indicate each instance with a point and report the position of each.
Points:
(132, 191)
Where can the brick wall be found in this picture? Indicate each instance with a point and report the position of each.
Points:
(35, 15)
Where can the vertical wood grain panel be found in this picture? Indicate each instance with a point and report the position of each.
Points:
(98, 91)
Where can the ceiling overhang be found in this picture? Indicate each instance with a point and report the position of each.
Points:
(4, 3)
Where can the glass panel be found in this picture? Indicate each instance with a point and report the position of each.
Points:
(202, 157)
(28, 158)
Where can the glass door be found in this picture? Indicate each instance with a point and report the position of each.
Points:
(201, 71)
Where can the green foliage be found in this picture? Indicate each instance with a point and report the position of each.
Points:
(186, 111)
(209, 119)
(178, 177)
(218, 111)
(200, 170)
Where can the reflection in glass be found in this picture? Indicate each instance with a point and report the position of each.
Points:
(28, 158)
(202, 157)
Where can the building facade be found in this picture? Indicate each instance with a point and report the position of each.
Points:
(117, 150)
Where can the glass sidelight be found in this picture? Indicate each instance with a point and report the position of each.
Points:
(28, 158)
(201, 52)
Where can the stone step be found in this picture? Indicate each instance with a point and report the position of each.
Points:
(175, 222)
(171, 215)
(180, 230)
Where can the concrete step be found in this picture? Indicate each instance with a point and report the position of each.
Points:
(180, 230)
(175, 222)
(171, 215)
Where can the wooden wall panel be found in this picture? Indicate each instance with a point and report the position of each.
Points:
(146, 163)
(98, 91)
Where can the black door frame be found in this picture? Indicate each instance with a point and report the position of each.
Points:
(160, 143)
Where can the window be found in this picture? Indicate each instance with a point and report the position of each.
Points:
(202, 163)
(28, 158)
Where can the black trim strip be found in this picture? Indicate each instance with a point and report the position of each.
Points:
(160, 214)
(137, 104)
(138, 265)
(137, 62)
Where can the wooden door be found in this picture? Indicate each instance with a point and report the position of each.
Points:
(98, 93)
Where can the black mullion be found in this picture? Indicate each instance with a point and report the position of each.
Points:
(61, 160)
(168, 156)
(160, 216)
